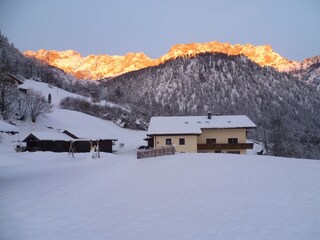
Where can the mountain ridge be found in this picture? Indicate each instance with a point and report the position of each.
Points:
(96, 67)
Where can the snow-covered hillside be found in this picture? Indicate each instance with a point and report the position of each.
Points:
(57, 94)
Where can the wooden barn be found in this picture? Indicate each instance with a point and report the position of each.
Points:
(83, 142)
(65, 142)
(86, 145)
(45, 141)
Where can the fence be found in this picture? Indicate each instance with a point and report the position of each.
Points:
(144, 153)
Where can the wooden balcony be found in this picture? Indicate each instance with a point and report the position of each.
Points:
(225, 146)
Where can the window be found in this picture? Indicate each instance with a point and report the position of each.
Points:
(182, 141)
(168, 141)
(211, 141)
(232, 140)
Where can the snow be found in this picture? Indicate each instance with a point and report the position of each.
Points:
(81, 125)
(54, 136)
(45, 195)
(6, 127)
(194, 124)
(57, 94)
(185, 196)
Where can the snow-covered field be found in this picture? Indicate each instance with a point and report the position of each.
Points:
(45, 195)
(187, 196)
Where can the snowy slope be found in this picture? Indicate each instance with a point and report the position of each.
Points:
(57, 94)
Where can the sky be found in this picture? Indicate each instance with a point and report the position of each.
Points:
(116, 27)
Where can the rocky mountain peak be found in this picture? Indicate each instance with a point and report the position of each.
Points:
(101, 66)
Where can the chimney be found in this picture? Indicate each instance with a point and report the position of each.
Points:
(209, 115)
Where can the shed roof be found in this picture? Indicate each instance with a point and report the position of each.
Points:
(194, 124)
(49, 136)
(88, 133)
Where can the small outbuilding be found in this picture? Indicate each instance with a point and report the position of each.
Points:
(47, 141)
(84, 141)
(66, 142)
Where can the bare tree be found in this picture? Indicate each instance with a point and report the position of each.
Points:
(36, 104)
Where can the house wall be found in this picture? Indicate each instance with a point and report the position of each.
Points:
(63, 146)
(105, 146)
(190, 142)
(53, 146)
(85, 146)
(222, 135)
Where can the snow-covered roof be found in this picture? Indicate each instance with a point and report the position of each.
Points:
(194, 124)
(52, 136)
(6, 127)
(92, 132)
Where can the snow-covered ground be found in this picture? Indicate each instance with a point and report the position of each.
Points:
(45, 195)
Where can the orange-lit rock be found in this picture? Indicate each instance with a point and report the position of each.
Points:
(100, 66)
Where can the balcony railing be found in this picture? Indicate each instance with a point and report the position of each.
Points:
(224, 146)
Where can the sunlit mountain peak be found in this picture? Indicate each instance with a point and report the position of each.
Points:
(101, 66)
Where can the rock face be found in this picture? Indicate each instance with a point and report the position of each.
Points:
(96, 67)
(93, 67)
(308, 70)
(262, 55)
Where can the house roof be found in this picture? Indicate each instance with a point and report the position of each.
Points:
(51, 136)
(194, 124)
(6, 127)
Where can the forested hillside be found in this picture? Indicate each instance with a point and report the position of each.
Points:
(308, 71)
(285, 109)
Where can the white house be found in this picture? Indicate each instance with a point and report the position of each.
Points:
(201, 133)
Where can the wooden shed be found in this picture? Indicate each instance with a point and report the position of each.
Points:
(83, 143)
(86, 145)
(43, 141)
(63, 142)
